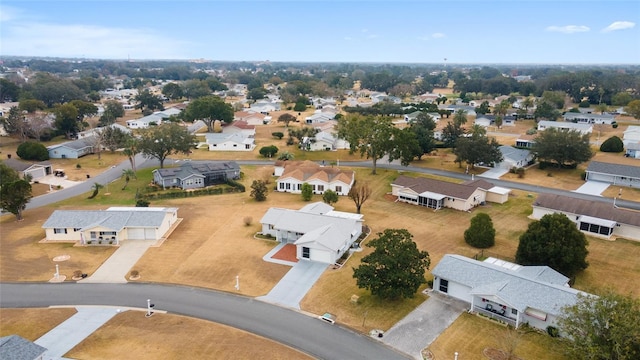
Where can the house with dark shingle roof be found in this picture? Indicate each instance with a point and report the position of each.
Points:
(591, 217)
(35, 170)
(438, 194)
(194, 175)
(508, 292)
(321, 178)
(15, 347)
(615, 174)
(110, 226)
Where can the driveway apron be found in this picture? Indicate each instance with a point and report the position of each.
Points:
(592, 188)
(295, 284)
(118, 265)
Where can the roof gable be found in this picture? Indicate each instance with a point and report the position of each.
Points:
(420, 185)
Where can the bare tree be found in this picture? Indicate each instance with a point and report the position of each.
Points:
(38, 125)
(359, 193)
(508, 341)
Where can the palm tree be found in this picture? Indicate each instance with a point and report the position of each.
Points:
(96, 187)
(127, 174)
(130, 151)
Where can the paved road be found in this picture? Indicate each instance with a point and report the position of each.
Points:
(302, 332)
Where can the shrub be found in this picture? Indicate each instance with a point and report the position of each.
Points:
(32, 151)
(520, 171)
(268, 151)
(134, 273)
(248, 220)
(613, 144)
(142, 203)
(307, 192)
(78, 166)
(279, 135)
(300, 107)
(481, 233)
(553, 331)
(584, 104)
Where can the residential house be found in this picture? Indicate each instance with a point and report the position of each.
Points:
(252, 118)
(525, 141)
(319, 232)
(229, 142)
(633, 150)
(145, 121)
(193, 175)
(15, 347)
(487, 120)
(616, 174)
(591, 217)
(438, 194)
(96, 131)
(471, 111)
(72, 149)
(242, 127)
(35, 170)
(321, 141)
(113, 225)
(510, 293)
(321, 178)
(588, 118)
(515, 158)
(631, 135)
(264, 107)
(320, 117)
(566, 126)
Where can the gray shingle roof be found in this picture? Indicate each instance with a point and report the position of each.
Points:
(14, 347)
(595, 209)
(76, 144)
(420, 185)
(509, 152)
(197, 168)
(614, 169)
(19, 166)
(111, 219)
(519, 289)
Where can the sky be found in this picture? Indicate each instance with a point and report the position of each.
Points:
(427, 31)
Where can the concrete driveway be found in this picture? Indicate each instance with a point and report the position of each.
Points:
(592, 188)
(118, 265)
(295, 284)
(494, 173)
(58, 181)
(423, 325)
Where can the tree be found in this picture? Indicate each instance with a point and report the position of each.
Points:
(161, 141)
(330, 197)
(96, 188)
(483, 108)
(286, 118)
(613, 144)
(131, 148)
(148, 101)
(277, 134)
(172, 91)
(405, 146)
(31, 105)
(112, 111)
(259, 190)
(554, 241)
(15, 123)
(14, 197)
(395, 269)
(38, 125)
(307, 192)
(480, 233)
(477, 149)
(565, 148)
(194, 89)
(286, 156)
(602, 327)
(451, 133)
(423, 127)
(8, 90)
(127, 174)
(633, 109)
(460, 117)
(359, 193)
(621, 99)
(545, 110)
(7, 175)
(554, 98)
(299, 106)
(31, 150)
(268, 151)
(209, 109)
(114, 138)
(85, 109)
(370, 136)
(66, 119)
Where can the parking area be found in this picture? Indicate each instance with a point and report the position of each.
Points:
(592, 188)
(58, 181)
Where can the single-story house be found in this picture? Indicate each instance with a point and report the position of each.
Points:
(487, 120)
(320, 117)
(567, 126)
(112, 225)
(322, 140)
(525, 141)
(194, 175)
(631, 135)
(146, 121)
(321, 178)
(35, 170)
(588, 118)
(240, 126)
(264, 107)
(229, 142)
(72, 149)
(512, 157)
(252, 118)
(592, 217)
(96, 131)
(471, 111)
(505, 291)
(318, 231)
(15, 347)
(616, 174)
(438, 194)
(633, 150)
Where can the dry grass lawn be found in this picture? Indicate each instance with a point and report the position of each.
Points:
(31, 324)
(129, 335)
(470, 334)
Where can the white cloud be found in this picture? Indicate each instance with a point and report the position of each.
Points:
(438, 35)
(28, 37)
(568, 29)
(619, 25)
(8, 13)
(348, 38)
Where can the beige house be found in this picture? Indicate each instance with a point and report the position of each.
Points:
(110, 226)
(295, 173)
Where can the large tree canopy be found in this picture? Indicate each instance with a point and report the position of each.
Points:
(554, 241)
(565, 148)
(477, 149)
(161, 141)
(209, 109)
(371, 136)
(14, 197)
(395, 269)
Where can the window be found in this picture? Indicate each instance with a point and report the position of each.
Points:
(444, 285)
(288, 186)
(247, 146)
(235, 145)
(305, 252)
(338, 189)
(514, 311)
(281, 186)
(320, 187)
(76, 229)
(59, 231)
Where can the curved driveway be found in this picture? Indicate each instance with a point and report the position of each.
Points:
(305, 333)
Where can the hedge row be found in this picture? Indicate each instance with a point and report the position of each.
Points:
(199, 192)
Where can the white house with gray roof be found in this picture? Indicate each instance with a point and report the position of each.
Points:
(589, 118)
(615, 174)
(566, 126)
(229, 142)
(514, 158)
(110, 226)
(319, 232)
(508, 292)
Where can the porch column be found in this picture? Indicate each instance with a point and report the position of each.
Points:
(471, 308)
(518, 320)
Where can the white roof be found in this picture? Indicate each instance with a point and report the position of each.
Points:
(499, 190)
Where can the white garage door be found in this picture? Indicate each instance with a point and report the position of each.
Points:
(135, 234)
(150, 234)
(36, 173)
